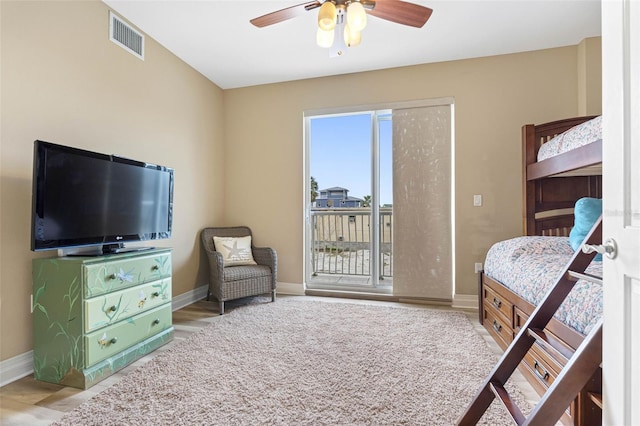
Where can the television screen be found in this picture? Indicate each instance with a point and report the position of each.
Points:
(83, 198)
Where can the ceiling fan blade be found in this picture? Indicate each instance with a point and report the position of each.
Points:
(284, 14)
(401, 12)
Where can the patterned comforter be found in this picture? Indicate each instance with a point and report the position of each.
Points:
(577, 136)
(529, 266)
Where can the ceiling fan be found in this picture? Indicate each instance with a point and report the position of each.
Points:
(341, 21)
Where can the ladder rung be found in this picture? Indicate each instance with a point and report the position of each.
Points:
(596, 398)
(501, 393)
(575, 276)
(551, 345)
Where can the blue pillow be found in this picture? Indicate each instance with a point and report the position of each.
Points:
(586, 213)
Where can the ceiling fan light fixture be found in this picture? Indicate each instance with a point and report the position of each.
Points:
(325, 38)
(327, 16)
(356, 16)
(351, 38)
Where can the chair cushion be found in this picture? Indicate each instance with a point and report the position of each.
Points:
(235, 273)
(234, 250)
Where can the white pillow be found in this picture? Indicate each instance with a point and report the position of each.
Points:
(235, 251)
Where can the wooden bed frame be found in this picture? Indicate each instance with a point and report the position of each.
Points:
(550, 189)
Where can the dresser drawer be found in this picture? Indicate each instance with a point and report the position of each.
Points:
(108, 341)
(543, 367)
(544, 370)
(503, 307)
(498, 328)
(110, 308)
(105, 277)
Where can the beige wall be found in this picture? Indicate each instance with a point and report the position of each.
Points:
(63, 81)
(238, 153)
(494, 97)
(590, 76)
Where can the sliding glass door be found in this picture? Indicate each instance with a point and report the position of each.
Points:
(423, 193)
(350, 201)
(379, 205)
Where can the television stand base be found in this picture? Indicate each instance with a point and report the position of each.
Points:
(127, 250)
(119, 248)
(105, 250)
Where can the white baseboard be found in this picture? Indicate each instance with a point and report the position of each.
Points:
(16, 368)
(465, 301)
(293, 289)
(192, 296)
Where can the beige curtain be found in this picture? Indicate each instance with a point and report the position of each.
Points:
(422, 214)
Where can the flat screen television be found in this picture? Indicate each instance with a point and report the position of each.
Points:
(82, 198)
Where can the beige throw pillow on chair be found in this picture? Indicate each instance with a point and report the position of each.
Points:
(235, 250)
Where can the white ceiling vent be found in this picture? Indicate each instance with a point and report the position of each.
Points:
(122, 34)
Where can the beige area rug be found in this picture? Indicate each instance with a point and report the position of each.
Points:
(302, 362)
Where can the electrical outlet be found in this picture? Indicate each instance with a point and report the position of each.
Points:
(478, 267)
(477, 200)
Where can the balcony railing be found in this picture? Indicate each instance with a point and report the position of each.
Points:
(340, 241)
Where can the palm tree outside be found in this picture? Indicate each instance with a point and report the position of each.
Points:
(314, 189)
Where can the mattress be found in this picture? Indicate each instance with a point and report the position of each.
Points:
(580, 135)
(529, 266)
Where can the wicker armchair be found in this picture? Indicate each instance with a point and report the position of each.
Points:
(234, 282)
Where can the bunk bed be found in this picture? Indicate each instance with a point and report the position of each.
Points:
(562, 163)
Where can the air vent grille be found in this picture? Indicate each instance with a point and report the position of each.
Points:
(125, 36)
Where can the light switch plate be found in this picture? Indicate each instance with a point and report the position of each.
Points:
(477, 200)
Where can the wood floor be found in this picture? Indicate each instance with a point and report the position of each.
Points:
(30, 402)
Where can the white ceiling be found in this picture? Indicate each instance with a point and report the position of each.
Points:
(216, 38)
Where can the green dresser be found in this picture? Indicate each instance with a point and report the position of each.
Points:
(92, 316)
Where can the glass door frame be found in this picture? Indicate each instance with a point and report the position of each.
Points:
(306, 187)
(374, 218)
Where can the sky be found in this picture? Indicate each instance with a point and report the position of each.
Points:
(340, 154)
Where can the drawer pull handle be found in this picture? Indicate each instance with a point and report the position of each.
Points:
(540, 371)
(155, 267)
(155, 322)
(112, 309)
(104, 341)
(112, 276)
(497, 302)
(497, 327)
(155, 294)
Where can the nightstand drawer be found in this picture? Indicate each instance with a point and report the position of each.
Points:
(115, 275)
(110, 308)
(108, 341)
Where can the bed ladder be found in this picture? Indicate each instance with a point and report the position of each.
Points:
(576, 373)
